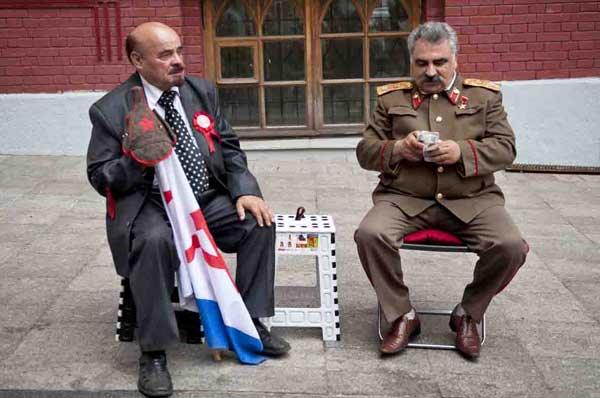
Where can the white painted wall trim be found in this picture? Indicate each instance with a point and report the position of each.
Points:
(301, 144)
(557, 122)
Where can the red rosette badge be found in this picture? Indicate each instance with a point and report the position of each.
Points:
(205, 124)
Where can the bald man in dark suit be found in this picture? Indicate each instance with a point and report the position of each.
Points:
(138, 230)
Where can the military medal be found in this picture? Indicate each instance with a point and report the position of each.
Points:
(205, 124)
(463, 102)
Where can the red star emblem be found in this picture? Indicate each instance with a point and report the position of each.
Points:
(146, 124)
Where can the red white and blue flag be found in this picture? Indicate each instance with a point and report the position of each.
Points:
(204, 281)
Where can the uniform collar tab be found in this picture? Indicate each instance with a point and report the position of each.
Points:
(453, 95)
(417, 99)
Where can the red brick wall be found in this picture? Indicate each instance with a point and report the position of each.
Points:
(526, 39)
(54, 49)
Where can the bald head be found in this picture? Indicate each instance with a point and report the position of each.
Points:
(144, 34)
(156, 52)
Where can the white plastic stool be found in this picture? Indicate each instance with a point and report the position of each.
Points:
(314, 236)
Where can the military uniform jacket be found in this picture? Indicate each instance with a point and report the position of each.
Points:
(470, 113)
(126, 185)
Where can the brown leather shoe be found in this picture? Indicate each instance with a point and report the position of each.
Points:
(467, 337)
(400, 332)
(454, 319)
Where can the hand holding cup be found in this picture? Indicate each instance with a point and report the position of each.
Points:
(428, 139)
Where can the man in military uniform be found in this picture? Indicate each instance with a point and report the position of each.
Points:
(454, 190)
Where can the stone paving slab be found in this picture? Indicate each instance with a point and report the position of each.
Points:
(76, 306)
(24, 300)
(575, 374)
(178, 394)
(59, 295)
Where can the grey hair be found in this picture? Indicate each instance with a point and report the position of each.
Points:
(433, 32)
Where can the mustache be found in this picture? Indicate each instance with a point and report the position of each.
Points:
(432, 79)
(176, 69)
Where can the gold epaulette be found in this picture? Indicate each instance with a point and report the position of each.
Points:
(388, 88)
(482, 83)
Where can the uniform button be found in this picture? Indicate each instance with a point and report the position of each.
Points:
(128, 224)
(435, 96)
(438, 119)
(439, 196)
(440, 169)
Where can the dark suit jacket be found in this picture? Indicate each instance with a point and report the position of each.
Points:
(121, 179)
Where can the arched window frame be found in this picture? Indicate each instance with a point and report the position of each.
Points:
(313, 12)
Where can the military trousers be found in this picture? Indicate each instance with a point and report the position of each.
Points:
(491, 234)
(154, 261)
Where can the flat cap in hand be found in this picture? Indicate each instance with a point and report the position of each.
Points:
(148, 139)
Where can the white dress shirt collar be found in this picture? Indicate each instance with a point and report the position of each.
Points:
(452, 82)
(153, 93)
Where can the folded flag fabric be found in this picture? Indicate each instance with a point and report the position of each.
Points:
(204, 281)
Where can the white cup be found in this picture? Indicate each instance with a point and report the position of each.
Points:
(427, 138)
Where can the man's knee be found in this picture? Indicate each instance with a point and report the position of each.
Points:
(513, 249)
(253, 227)
(368, 233)
(253, 234)
(159, 236)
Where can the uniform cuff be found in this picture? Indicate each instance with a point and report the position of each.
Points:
(469, 159)
(385, 157)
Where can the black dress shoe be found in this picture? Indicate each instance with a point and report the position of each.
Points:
(273, 345)
(154, 379)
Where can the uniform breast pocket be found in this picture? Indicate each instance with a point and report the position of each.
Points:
(404, 120)
(470, 122)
